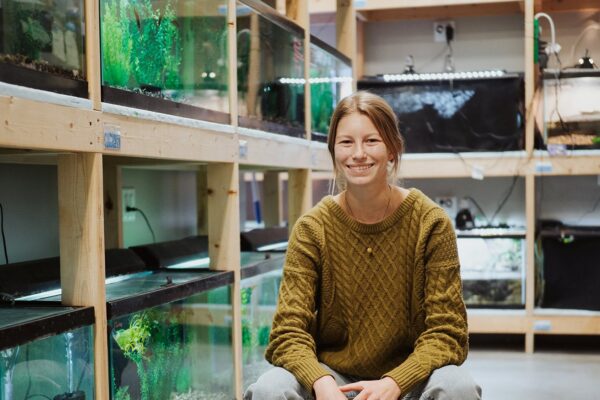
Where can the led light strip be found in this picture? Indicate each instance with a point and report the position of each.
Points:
(442, 76)
(302, 81)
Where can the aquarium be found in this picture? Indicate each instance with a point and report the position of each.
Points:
(46, 351)
(261, 276)
(330, 81)
(42, 45)
(571, 109)
(169, 334)
(166, 56)
(270, 53)
(264, 239)
(492, 269)
(458, 112)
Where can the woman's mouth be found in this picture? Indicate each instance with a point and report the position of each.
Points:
(359, 168)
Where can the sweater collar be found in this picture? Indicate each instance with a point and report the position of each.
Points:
(386, 223)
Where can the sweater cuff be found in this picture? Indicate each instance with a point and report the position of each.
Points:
(307, 372)
(407, 375)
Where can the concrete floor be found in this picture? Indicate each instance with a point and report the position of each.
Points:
(514, 375)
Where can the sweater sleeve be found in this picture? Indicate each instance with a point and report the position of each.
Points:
(291, 344)
(445, 338)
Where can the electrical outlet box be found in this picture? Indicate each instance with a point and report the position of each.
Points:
(449, 204)
(439, 30)
(128, 200)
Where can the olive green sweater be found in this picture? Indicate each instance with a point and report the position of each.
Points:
(395, 310)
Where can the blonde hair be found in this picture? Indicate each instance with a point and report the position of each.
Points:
(381, 115)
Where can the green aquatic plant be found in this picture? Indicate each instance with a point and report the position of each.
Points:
(34, 37)
(156, 52)
(116, 44)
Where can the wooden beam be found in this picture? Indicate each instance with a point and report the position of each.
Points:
(497, 322)
(359, 62)
(567, 324)
(113, 205)
(92, 51)
(232, 61)
(442, 12)
(345, 25)
(569, 5)
(202, 200)
(81, 231)
(271, 199)
(299, 194)
(394, 4)
(224, 244)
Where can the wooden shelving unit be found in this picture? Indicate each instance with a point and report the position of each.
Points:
(527, 164)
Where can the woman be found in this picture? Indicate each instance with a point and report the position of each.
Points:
(370, 302)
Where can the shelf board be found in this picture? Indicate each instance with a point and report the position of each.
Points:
(566, 5)
(389, 10)
(566, 322)
(497, 321)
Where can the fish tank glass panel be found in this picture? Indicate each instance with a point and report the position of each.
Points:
(53, 357)
(42, 45)
(270, 53)
(178, 350)
(455, 115)
(259, 294)
(492, 271)
(572, 110)
(166, 56)
(330, 81)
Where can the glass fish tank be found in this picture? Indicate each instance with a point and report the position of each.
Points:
(169, 335)
(330, 81)
(42, 45)
(166, 56)
(261, 276)
(46, 351)
(492, 269)
(270, 54)
(571, 109)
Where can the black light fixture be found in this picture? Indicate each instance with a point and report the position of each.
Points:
(586, 62)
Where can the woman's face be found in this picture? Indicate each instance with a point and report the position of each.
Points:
(360, 153)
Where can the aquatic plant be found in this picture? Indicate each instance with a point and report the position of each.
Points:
(156, 52)
(116, 44)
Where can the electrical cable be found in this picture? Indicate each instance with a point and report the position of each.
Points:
(2, 232)
(128, 209)
(508, 193)
(472, 200)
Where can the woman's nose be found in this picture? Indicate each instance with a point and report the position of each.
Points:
(359, 152)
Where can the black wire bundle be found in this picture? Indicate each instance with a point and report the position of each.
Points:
(128, 209)
(2, 232)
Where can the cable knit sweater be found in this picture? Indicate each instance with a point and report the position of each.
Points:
(370, 300)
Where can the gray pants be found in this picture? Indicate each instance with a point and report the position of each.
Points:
(447, 383)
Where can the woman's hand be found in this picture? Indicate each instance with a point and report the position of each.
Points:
(326, 388)
(382, 389)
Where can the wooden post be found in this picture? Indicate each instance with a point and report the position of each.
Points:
(81, 230)
(345, 20)
(358, 65)
(530, 258)
(232, 60)
(92, 51)
(224, 244)
(202, 200)
(529, 78)
(113, 207)
(299, 194)
(271, 199)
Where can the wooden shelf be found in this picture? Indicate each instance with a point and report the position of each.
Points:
(497, 321)
(566, 5)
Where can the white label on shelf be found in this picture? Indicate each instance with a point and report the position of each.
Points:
(112, 137)
(543, 166)
(360, 3)
(243, 149)
(477, 172)
(542, 325)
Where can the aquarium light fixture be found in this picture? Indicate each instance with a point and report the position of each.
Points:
(197, 263)
(211, 75)
(442, 76)
(302, 81)
(273, 246)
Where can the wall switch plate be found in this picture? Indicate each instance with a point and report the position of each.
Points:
(439, 30)
(128, 200)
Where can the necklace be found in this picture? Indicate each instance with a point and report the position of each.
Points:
(370, 248)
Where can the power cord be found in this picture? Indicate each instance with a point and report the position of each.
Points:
(2, 231)
(130, 209)
(508, 193)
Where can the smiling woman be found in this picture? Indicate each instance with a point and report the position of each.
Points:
(370, 302)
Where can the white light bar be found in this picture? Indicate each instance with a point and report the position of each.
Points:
(302, 81)
(197, 263)
(443, 76)
(274, 246)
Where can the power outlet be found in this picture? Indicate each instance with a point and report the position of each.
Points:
(439, 30)
(449, 204)
(128, 200)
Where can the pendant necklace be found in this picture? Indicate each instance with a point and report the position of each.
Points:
(370, 248)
